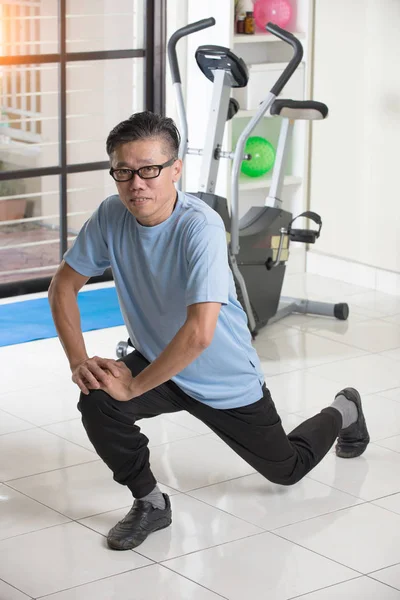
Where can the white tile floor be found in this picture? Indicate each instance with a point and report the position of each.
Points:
(335, 535)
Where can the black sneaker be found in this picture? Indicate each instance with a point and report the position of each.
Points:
(140, 521)
(353, 440)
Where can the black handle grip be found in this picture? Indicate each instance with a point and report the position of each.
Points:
(174, 39)
(289, 38)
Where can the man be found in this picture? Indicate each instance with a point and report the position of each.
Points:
(193, 351)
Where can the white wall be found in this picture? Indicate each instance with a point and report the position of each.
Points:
(355, 153)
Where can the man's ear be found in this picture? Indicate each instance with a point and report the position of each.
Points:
(177, 170)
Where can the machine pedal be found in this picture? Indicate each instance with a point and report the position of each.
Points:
(305, 236)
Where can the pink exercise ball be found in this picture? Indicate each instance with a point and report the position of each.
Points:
(278, 12)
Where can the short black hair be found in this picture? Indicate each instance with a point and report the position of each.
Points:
(144, 125)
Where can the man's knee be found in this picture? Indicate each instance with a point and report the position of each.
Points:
(90, 404)
(286, 479)
(290, 480)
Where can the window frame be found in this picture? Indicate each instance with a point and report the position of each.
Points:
(153, 55)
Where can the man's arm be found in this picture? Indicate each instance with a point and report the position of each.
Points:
(63, 292)
(191, 340)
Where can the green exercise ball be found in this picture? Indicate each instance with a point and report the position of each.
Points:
(262, 157)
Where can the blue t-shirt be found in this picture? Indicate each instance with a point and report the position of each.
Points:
(159, 271)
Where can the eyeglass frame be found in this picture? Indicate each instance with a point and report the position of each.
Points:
(137, 171)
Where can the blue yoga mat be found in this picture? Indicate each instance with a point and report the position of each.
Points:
(31, 319)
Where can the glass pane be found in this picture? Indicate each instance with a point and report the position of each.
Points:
(29, 228)
(105, 25)
(100, 94)
(86, 191)
(29, 116)
(28, 27)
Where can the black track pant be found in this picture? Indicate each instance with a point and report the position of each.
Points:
(254, 432)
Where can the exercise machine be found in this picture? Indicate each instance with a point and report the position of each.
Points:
(258, 242)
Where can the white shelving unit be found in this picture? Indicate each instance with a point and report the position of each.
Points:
(242, 38)
(264, 182)
(257, 49)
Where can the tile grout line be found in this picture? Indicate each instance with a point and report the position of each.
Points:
(326, 588)
(225, 512)
(332, 362)
(325, 337)
(15, 588)
(130, 571)
(364, 500)
(370, 573)
(193, 581)
(360, 502)
(318, 553)
(74, 587)
(240, 539)
(19, 418)
(43, 428)
(8, 481)
(383, 582)
(162, 561)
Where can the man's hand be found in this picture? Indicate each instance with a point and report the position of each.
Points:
(123, 387)
(94, 373)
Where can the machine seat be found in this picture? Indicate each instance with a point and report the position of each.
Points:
(212, 58)
(306, 110)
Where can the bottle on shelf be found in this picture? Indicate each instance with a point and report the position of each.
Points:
(249, 27)
(240, 23)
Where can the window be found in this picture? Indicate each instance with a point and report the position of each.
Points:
(69, 71)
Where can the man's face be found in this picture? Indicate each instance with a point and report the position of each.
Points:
(151, 201)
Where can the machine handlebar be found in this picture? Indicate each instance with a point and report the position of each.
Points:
(174, 39)
(289, 38)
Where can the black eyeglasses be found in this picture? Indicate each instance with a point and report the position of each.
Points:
(147, 172)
